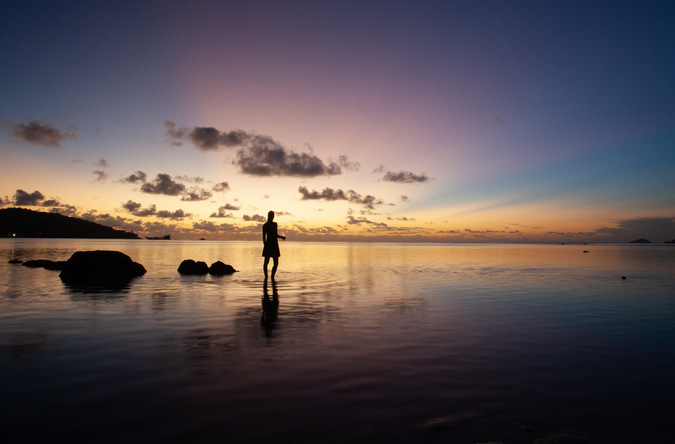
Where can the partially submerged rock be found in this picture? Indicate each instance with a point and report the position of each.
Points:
(100, 267)
(46, 264)
(190, 267)
(218, 268)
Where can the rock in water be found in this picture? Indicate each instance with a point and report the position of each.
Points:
(100, 267)
(46, 264)
(188, 266)
(218, 269)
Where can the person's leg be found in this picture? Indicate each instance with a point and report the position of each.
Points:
(274, 267)
(267, 261)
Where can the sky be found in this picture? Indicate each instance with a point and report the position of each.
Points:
(438, 121)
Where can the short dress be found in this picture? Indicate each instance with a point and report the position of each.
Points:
(271, 248)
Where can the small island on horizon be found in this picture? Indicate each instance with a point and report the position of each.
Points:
(21, 222)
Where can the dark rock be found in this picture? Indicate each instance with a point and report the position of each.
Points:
(46, 264)
(218, 268)
(190, 267)
(100, 267)
(562, 439)
(640, 241)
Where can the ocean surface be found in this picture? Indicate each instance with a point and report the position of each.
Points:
(356, 342)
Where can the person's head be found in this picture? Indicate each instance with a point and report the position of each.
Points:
(270, 216)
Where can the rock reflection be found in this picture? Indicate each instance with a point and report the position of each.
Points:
(270, 309)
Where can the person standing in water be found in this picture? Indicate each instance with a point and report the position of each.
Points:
(271, 244)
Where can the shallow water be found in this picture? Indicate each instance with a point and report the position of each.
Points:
(369, 342)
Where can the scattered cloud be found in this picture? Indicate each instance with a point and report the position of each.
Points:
(266, 157)
(222, 211)
(221, 187)
(189, 179)
(163, 184)
(330, 194)
(351, 220)
(254, 218)
(137, 209)
(405, 177)
(174, 215)
(28, 199)
(405, 198)
(100, 175)
(196, 194)
(655, 229)
(137, 177)
(258, 155)
(102, 163)
(41, 133)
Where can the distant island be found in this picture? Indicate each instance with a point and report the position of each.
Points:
(27, 223)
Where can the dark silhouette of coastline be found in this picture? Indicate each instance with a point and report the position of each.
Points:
(27, 223)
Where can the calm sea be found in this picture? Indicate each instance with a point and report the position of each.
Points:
(363, 343)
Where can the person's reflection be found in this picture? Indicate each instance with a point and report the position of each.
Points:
(270, 308)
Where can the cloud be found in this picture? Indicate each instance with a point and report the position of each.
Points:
(189, 179)
(221, 187)
(405, 198)
(405, 177)
(135, 209)
(23, 198)
(102, 163)
(205, 138)
(330, 194)
(137, 177)
(655, 229)
(174, 215)
(258, 155)
(115, 222)
(266, 157)
(222, 211)
(254, 218)
(196, 194)
(210, 139)
(100, 175)
(64, 209)
(351, 220)
(44, 134)
(163, 184)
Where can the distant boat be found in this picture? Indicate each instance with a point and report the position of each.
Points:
(167, 237)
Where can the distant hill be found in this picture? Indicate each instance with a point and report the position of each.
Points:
(28, 223)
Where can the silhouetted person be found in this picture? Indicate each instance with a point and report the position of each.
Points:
(271, 244)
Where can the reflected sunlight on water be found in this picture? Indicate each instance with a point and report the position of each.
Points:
(412, 343)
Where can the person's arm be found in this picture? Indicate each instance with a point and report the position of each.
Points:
(263, 229)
